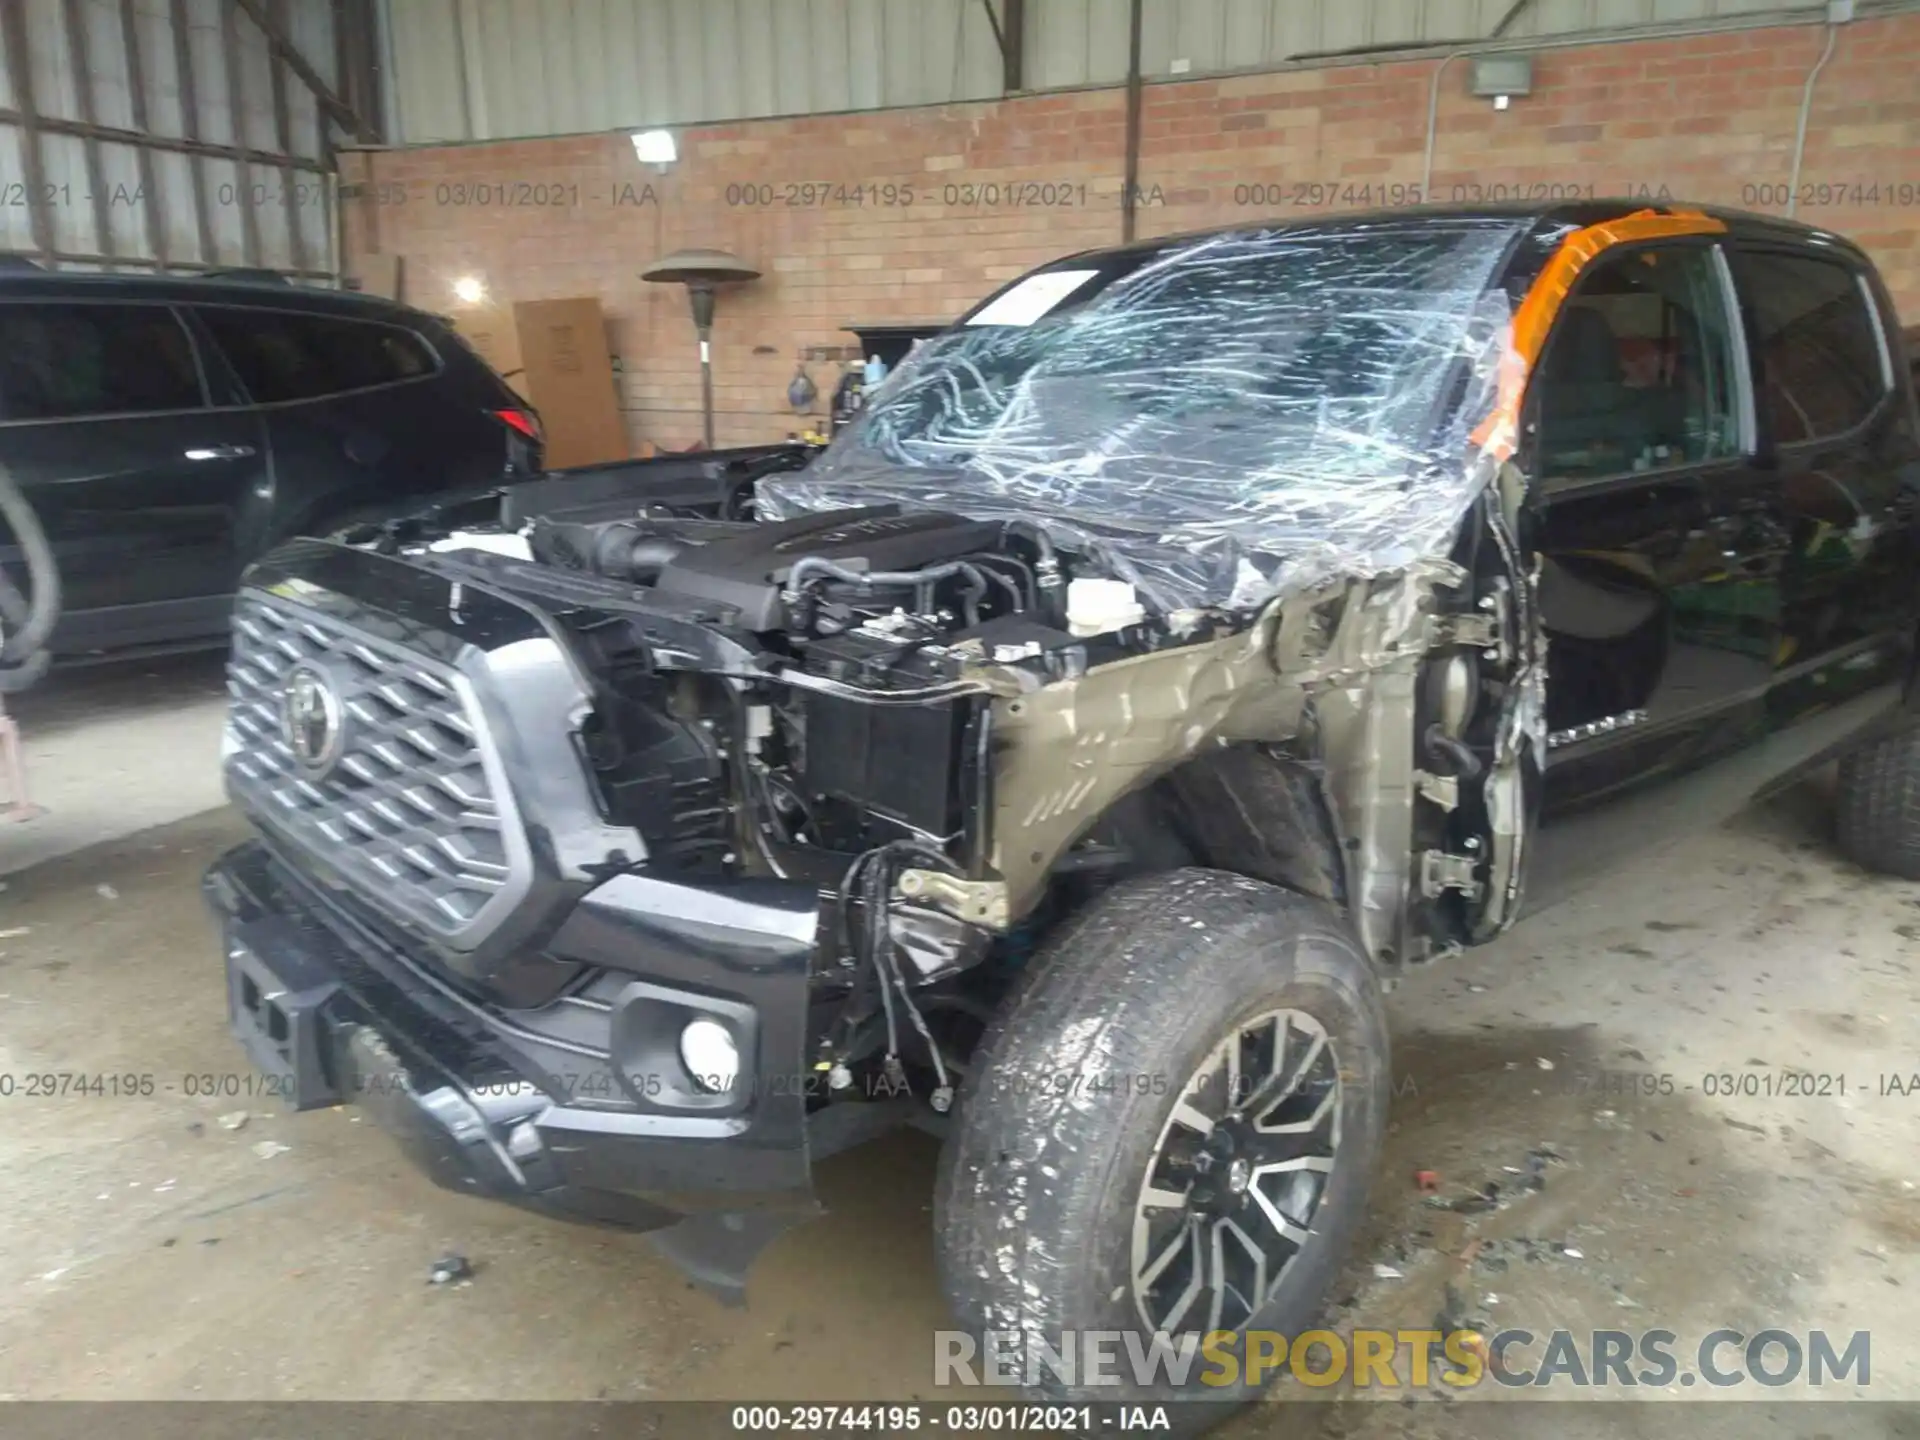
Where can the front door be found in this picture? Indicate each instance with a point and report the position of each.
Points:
(136, 480)
(1660, 558)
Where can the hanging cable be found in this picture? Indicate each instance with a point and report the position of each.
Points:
(26, 619)
(869, 881)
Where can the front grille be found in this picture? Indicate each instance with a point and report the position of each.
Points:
(406, 815)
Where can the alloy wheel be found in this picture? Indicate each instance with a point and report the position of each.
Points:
(1234, 1181)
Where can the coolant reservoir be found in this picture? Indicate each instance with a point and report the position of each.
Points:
(1095, 607)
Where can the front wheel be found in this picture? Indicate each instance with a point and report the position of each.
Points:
(1170, 1130)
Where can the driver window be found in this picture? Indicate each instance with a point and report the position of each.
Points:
(1638, 373)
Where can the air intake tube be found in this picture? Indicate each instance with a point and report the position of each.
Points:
(26, 619)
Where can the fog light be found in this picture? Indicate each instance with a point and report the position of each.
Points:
(708, 1050)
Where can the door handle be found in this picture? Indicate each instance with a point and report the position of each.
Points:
(220, 452)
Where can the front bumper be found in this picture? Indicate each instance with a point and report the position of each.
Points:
(336, 1016)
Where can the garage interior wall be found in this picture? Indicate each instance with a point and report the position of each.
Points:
(179, 135)
(915, 214)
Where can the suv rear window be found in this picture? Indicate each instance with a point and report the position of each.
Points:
(1822, 366)
(60, 362)
(283, 356)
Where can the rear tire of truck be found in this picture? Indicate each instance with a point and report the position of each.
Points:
(1877, 805)
(1171, 1127)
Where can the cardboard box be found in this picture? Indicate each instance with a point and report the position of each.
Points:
(490, 330)
(554, 353)
(569, 378)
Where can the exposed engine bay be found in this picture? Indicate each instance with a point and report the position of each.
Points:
(870, 617)
(960, 732)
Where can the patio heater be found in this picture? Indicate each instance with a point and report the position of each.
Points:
(702, 272)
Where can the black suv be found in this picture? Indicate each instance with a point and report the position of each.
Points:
(169, 431)
(1194, 635)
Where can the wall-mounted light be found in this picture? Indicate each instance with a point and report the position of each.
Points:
(1501, 77)
(654, 147)
(468, 290)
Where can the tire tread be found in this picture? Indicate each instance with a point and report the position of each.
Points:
(1877, 805)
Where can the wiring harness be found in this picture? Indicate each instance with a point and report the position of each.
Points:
(869, 884)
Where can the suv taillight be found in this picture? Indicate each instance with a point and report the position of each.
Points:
(525, 421)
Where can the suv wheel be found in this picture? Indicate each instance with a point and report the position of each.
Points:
(1877, 805)
(1171, 1127)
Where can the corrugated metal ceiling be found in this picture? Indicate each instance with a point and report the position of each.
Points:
(490, 69)
(112, 179)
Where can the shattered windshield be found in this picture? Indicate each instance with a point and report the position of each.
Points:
(1205, 415)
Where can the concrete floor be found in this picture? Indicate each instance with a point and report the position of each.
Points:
(152, 1253)
(114, 749)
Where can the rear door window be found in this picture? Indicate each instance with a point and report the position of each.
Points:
(282, 356)
(1823, 362)
(73, 361)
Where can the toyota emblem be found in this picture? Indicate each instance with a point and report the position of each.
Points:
(313, 719)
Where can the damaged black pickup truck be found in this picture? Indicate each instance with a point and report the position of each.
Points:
(1193, 636)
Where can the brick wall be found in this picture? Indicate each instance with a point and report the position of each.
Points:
(995, 188)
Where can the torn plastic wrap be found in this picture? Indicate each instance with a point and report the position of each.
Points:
(1219, 421)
